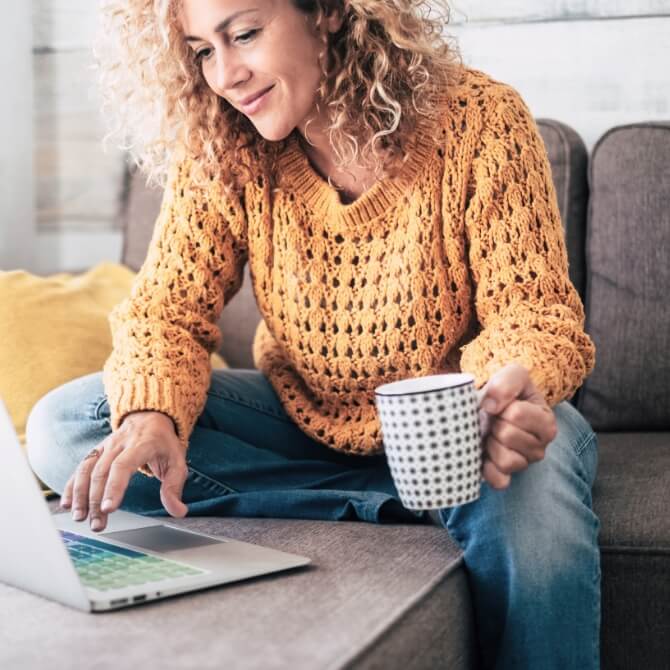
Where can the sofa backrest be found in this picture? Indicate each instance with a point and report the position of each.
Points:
(241, 316)
(628, 280)
(569, 160)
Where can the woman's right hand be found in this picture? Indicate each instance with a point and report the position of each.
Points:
(144, 437)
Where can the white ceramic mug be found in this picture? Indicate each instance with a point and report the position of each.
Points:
(433, 430)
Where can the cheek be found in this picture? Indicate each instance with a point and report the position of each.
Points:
(208, 74)
(303, 84)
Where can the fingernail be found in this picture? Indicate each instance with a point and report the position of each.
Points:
(78, 514)
(489, 405)
(96, 524)
(106, 505)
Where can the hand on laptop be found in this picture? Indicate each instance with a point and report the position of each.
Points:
(104, 473)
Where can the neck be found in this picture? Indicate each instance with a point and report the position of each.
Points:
(321, 155)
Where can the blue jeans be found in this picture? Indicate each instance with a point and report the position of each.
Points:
(531, 550)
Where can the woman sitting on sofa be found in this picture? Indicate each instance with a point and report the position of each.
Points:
(398, 215)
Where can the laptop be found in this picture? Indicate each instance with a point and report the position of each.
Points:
(134, 560)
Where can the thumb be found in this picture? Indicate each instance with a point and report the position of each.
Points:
(172, 487)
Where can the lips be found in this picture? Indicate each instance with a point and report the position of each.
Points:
(255, 96)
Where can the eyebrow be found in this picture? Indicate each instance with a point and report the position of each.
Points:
(223, 25)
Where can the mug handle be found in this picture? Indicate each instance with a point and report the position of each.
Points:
(484, 416)
(484, 420)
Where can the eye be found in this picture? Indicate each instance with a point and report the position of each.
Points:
(244, 38)
(203, 54)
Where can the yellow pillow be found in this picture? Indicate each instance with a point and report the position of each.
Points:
(54, 329)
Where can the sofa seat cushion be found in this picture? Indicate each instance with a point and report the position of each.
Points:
(632, 491)
(385, 596)
(632, 498)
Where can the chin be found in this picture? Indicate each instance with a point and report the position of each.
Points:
(273, 134)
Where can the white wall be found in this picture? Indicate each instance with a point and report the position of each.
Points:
(590, 63)
(17, 228)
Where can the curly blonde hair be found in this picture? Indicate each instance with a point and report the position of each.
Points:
(390, 64)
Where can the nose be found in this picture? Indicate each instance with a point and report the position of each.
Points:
(229, 72)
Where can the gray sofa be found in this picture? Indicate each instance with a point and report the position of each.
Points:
(396, 596)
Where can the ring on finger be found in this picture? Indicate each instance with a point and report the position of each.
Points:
(94, 453)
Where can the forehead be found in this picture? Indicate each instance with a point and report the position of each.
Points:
(199, 16)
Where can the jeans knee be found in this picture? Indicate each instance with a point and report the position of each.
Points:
(54, 443)
(542, 524)
(577, 439)
(42, 453)
(559, 558)
(543, 562)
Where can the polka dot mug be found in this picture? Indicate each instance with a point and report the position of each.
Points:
(433, 430)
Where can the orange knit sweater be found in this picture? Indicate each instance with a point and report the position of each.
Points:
(458, 263)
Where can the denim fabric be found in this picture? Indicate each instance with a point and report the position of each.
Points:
(531, 550)
(245, 457)
(533, 558)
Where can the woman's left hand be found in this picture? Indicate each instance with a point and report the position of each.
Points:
(521, 424)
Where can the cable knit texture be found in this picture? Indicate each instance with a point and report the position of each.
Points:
(457, 263)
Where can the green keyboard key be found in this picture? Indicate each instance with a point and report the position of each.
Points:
(104, 569)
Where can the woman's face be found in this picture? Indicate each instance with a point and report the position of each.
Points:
(247, 46)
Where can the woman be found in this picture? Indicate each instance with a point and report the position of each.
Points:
(398, 216)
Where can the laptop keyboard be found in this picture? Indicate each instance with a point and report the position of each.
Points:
(105, 566)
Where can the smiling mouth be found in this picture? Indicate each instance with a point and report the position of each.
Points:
(260, 95)
(254, 106)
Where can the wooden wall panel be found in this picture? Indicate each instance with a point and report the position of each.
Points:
(516, 11)
(590, 74)
(63, 24)
(77, 184)
(17, 230)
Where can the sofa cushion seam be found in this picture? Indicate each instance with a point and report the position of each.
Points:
(632, 550)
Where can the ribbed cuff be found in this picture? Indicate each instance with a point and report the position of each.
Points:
(149, 394)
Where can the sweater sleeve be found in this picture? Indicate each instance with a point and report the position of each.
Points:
(164, 332)
(528, 310)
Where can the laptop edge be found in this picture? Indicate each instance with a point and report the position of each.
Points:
(32, 534)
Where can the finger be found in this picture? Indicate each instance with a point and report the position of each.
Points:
(506, 385)
(506, 460)
(82, 480)
(172, 487)
(519, 440)
(122, 469)
(66, 498)
(110, 450)
(537, 420)
(495, 478)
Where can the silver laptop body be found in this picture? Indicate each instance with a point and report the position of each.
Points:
(36, 558)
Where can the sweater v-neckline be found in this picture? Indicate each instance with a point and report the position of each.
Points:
(298, 176)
